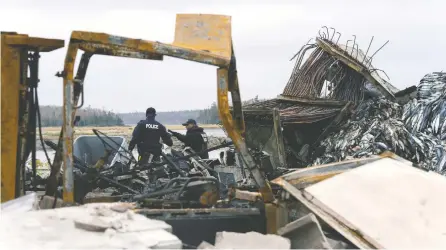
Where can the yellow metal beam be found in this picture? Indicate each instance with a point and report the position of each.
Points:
(101, 49)
(34, 43)
(120, 45)
(199, 38)
(211, 33)
(14, 49)
(235, 133)
(10, 80)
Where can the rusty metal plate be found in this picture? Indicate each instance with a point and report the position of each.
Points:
(211, 33)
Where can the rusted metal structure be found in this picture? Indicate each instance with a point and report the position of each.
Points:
(200, 38)
(320, 91)
(20, 55)
(337, 68)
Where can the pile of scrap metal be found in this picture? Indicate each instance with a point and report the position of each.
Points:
(413, 130)
(336, 106)
(179, 188)
(105, 168)
(320, 207)
(320, 92)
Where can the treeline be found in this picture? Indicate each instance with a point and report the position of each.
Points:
(52, 116)
(209, 115)
(171, 117)
(205, 116)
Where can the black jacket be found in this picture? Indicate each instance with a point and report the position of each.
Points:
(195, 138)
(147, 134)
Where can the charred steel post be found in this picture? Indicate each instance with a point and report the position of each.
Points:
(22, 144)
(279, 137)
(77, 91)
(33, 81)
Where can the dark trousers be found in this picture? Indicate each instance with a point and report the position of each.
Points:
(147, 157)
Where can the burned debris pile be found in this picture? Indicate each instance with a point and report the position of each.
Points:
(320, 92)
(359, 113)
(177, 187)
(322, 75)
(414, 130)
(427, 112)
(377, 126)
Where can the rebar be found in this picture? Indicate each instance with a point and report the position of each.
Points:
(365, 56)
(371, 58)
(310, 79)
(354, 43)
(334, 32)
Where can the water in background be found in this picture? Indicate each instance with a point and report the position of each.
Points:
(40, 154)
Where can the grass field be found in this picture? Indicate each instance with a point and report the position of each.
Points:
(53, 132)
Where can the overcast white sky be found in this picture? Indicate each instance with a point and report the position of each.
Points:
(265, 33)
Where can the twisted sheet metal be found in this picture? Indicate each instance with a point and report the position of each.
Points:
(289, 112)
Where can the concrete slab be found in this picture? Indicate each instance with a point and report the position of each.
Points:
(391, 204)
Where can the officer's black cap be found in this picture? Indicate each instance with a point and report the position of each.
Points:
(150, 111)
(190, 121)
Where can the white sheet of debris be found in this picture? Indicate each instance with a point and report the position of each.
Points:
(25, 203)
(92, 226)
(392, 204)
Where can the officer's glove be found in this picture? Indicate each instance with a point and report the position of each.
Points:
(174, 133)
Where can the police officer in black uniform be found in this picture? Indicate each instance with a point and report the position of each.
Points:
(195, 138)
(146, 136)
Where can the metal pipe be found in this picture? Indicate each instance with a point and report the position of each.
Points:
(354, 43)
(334, 31)
(339, 37)
(365, 56)
(371, 58)
(33, 113)
(328, 32)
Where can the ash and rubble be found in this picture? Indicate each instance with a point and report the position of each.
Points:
(337, 106)
(106, 226)
(428, 111)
